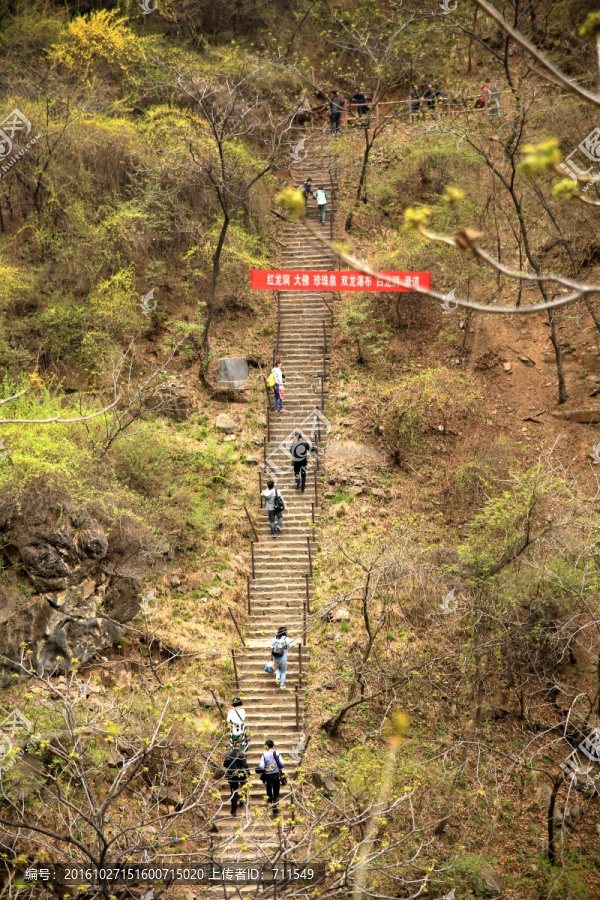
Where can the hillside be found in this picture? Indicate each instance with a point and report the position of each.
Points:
(438, 574)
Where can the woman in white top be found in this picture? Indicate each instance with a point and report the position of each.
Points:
(277, 377)
(236, 718)
(321, 203)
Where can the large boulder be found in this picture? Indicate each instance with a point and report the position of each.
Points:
(233, 372)
(226, 425)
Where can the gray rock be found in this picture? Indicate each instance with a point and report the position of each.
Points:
(226, 575)
(233, 372)
(206, 700)
(252, 460)
(339, 509)
(568, 815)
(324, 783)
(494, 885)
(226, 424)
(341, 614)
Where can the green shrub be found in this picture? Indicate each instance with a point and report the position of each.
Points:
(420, 408)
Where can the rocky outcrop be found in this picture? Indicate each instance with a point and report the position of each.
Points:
(171, 399)
(60, 600)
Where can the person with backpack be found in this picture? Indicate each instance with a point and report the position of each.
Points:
(236, 719)
(307, 191)
(300, 450)
(494, 95)
(321, 203)
(279, 651)
(237, 772)
(271, 773)
(481, 103)
(275, 505)
(275, 381)
(336, 104)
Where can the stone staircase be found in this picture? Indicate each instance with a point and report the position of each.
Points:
(278, 590)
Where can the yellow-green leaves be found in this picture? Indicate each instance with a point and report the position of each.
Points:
(566, 188)
(591, 26)
(293, 203)
(453, 196)
(99, 44)
(540, 157)
(400, 724)
(416, 218)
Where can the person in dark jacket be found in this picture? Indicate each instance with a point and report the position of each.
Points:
(415, 101)
(236, 773)
(336, 105)
(361, 98)
(307, 191)
(431, 97)
(271, 769)
(300, 450)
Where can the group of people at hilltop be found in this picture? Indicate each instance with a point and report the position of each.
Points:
(271, 766)
(428, 99)
(421, 100)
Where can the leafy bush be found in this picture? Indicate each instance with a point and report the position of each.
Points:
(475, 479)
(360, 323)
(99, 44)
(423, 405)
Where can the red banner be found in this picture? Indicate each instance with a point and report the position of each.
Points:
(326, 280)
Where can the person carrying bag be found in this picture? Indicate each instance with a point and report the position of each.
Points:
(237, 772)
(271, 774)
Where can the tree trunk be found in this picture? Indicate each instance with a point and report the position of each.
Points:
(551, 807)
(562, 387)
(362, 180)
(210, 303)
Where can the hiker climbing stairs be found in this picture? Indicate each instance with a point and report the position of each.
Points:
(281, 585)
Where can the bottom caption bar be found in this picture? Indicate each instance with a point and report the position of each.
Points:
(196, 873)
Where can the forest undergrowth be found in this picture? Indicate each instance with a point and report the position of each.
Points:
(457, 565)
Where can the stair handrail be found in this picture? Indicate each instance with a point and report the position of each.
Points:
(268, 411)
(237, 627)
(332, 214)
(251, 524)
(276, 348)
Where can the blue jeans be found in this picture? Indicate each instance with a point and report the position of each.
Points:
(280, 666)
(278, 400)
(273, 515)
(322, 208)
(335, 122)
